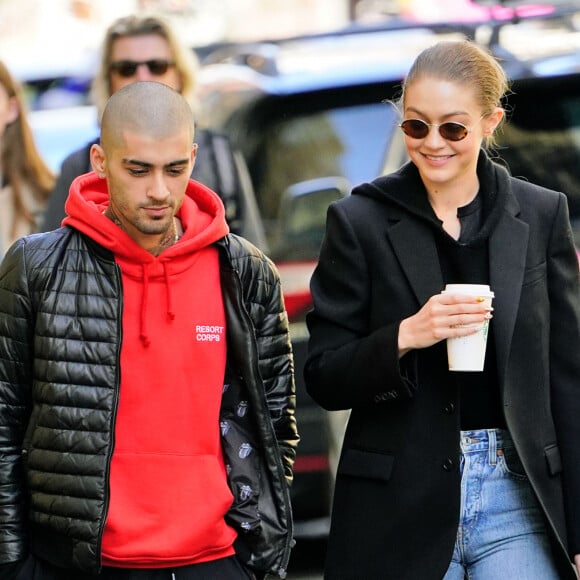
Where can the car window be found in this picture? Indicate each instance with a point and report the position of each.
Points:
(56, 93)
(541, 143)
(343, 141)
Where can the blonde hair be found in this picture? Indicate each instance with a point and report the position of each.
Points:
(22, 163)
(186, 62)
(465, 63)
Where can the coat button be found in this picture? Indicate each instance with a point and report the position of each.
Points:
(449, 408)
(448, 464)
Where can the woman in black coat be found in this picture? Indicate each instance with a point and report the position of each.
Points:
(449, 474)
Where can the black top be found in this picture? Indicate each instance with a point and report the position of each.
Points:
(465, 263)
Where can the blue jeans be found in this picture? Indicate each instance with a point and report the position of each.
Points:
(501, 534)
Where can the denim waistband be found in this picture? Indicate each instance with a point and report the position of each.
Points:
(485, 439)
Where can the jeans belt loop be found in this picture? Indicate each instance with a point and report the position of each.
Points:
(492, 438)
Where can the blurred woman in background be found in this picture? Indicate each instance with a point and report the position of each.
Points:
(25, 179)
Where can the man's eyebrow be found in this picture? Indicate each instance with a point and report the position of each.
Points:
(137, 162)
(145, 164)
(177, 162)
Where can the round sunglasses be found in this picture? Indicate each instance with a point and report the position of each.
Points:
(419, 129)
(127, 68)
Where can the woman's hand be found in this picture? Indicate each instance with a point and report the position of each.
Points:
(443, 316)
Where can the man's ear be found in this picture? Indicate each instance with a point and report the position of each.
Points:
(97, 156)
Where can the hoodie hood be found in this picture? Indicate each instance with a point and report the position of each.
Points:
(405, 189)
(202, 217)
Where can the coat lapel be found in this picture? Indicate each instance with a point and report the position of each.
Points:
(507, 254)
(414, 245)
(416, 251)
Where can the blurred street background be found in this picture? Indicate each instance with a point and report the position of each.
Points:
(69, 29)
(66, 28)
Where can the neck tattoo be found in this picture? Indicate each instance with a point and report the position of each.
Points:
(170, 237)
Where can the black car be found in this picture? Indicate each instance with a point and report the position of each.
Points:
(313, 116)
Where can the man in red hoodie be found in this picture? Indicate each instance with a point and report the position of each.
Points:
(147, 395)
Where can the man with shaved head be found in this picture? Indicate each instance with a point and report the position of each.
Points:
(146, 388)
(146, 48)
(148, 108)
(146, 115)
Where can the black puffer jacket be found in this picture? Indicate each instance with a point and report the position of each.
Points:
(60, 338)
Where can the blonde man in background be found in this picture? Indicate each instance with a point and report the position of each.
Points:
(145, 48)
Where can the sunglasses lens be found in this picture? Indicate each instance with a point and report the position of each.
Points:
(157, 67)
(125, 68)
(128, 68)
(453, 131)
(418, 129)
(415, 128)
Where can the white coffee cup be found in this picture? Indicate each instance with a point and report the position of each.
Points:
(467, 353)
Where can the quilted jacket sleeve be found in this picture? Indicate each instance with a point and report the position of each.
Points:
(264, 302)
(277, 367)
(16, 323)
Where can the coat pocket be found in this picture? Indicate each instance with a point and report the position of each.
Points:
(369, 464)
(534, 274)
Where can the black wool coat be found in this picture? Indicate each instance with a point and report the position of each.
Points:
(397, 496)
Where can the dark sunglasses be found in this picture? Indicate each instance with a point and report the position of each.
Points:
(127, 68)
(419, 129)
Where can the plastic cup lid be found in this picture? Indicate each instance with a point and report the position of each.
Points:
(474, 289)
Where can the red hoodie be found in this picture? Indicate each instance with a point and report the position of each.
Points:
(168, 487)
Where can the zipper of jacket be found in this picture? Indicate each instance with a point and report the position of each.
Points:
(283, 569)
(113, 421)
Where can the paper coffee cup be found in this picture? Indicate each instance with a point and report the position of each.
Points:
(467, 353)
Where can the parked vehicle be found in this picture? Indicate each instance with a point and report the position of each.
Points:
(310, 117)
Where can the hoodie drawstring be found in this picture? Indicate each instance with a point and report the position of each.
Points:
(143, 334)
(170, 312)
